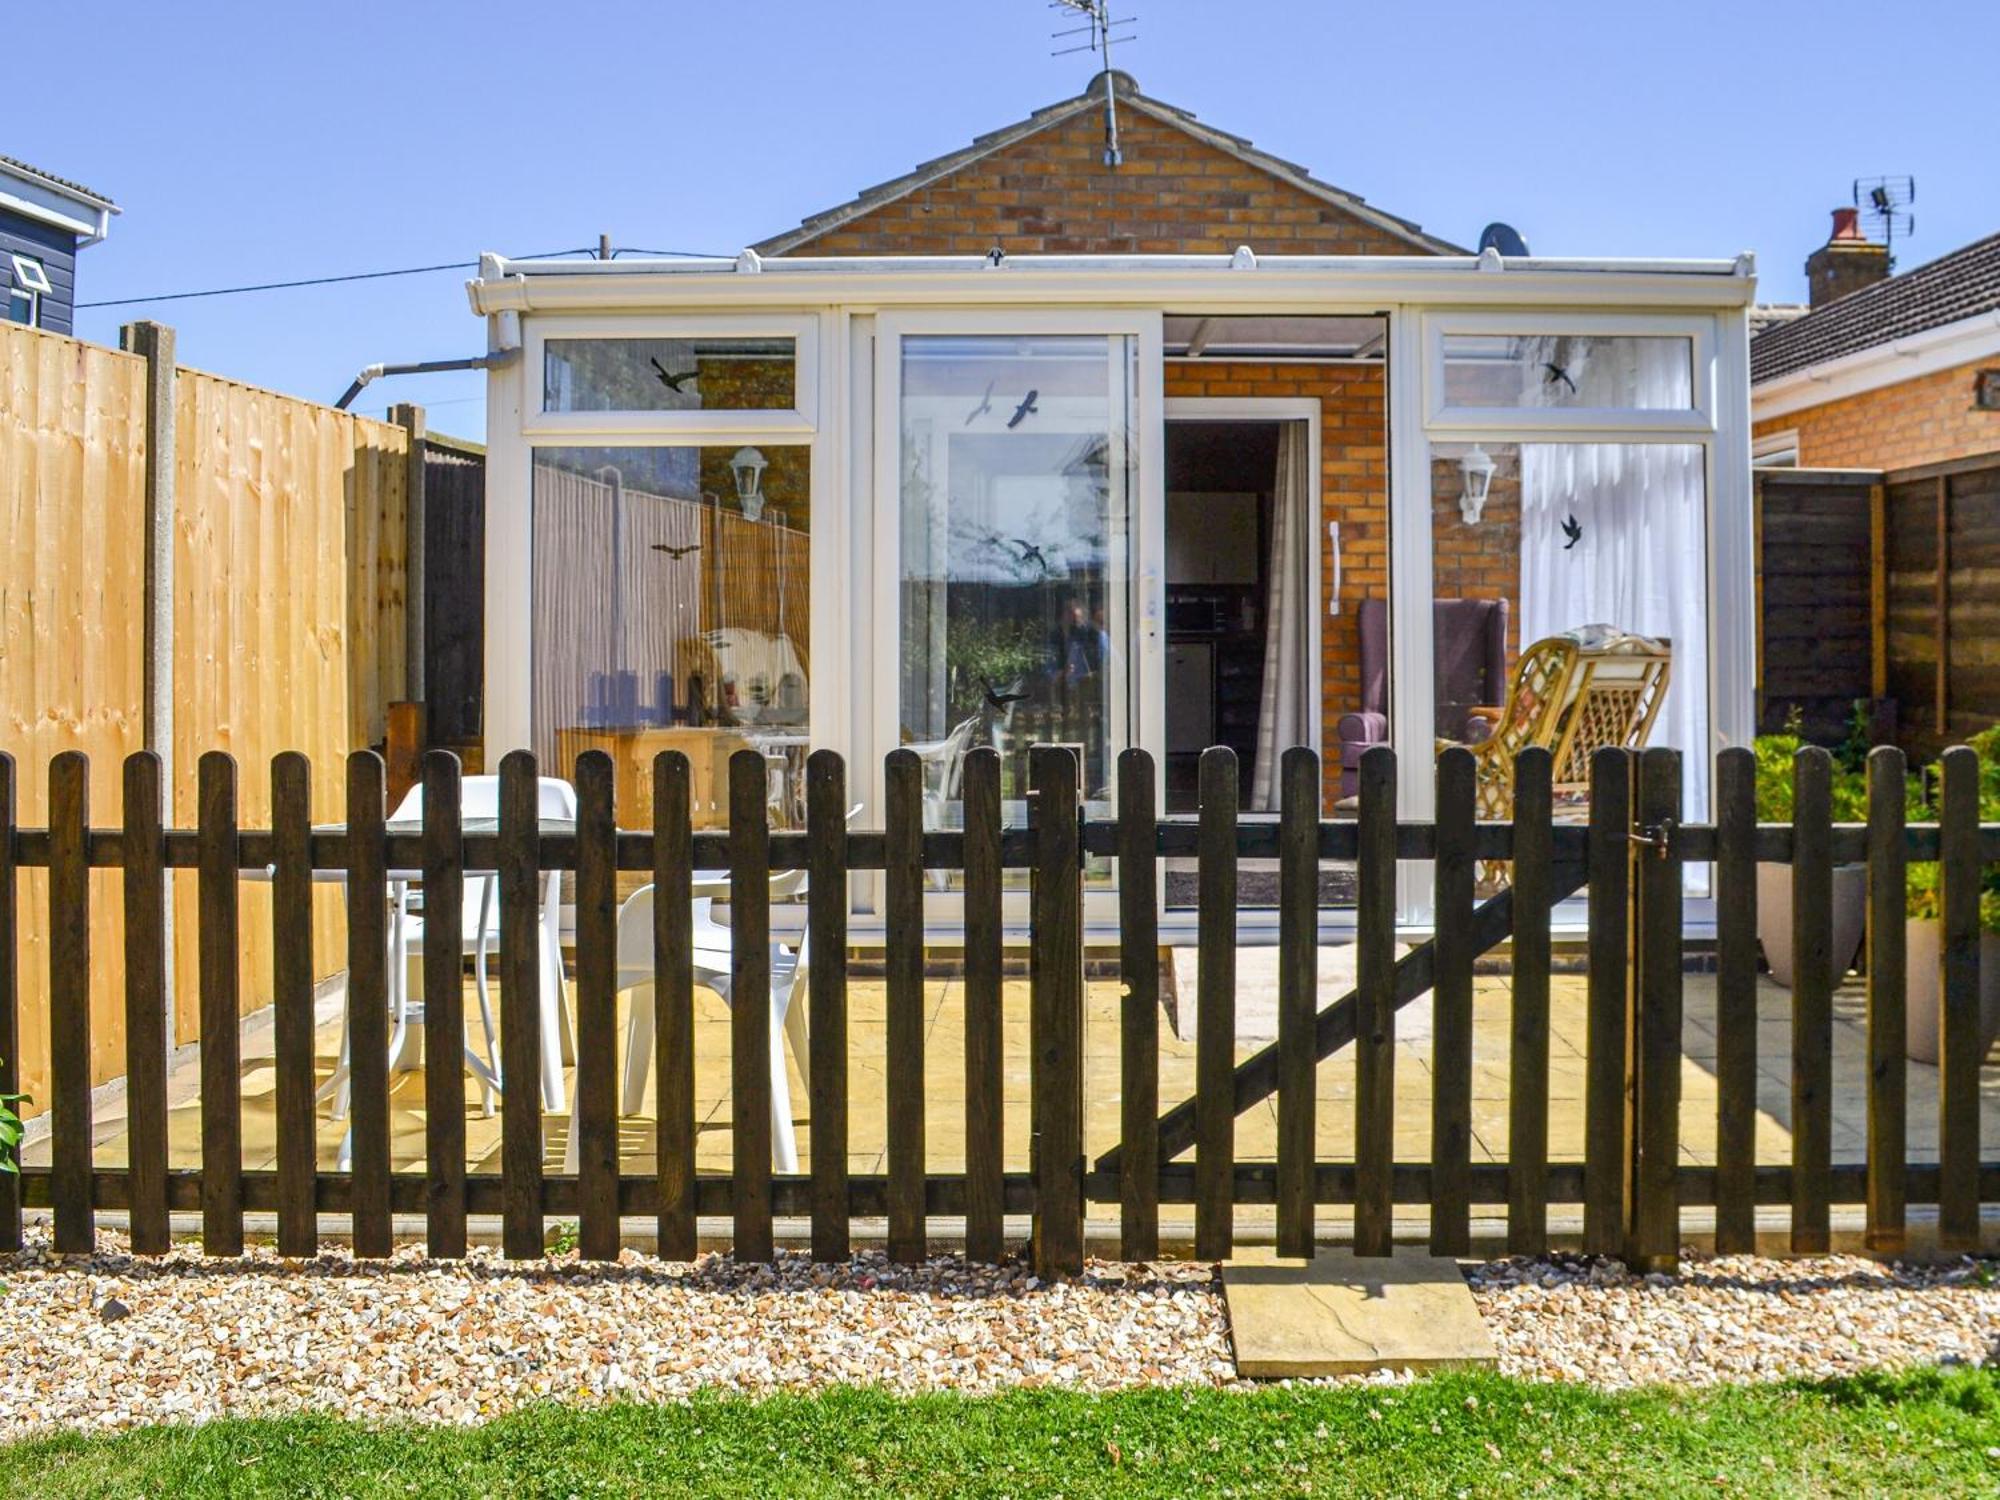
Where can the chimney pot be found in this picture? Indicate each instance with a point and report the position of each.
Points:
(1847, 262)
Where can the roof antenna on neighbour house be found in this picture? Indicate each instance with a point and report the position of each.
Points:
(1098, 29)
(1887, 200)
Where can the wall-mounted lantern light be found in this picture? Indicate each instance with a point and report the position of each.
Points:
(748, 466)
(1477, 468)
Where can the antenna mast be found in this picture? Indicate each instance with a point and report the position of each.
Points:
(1887, 200)
(1097, 30)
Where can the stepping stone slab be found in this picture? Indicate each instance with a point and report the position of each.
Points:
(1343, 1314)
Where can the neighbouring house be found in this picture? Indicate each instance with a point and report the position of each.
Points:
(1169, 446)
(1882, 371)
(45, 221)
(1876, 421)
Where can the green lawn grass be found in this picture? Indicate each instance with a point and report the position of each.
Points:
(1931, 1433)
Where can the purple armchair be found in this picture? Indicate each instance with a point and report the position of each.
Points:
(1471, 649)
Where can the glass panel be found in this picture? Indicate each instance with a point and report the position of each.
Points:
(1018, 476)
(669, 375)
(1575, 544)
(1643, 373)
(671, 609)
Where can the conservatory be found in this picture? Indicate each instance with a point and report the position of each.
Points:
(1105, 501)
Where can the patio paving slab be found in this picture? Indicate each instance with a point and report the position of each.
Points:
(1343, 1314)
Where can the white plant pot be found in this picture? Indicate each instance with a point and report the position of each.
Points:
(1774, 917)
(1924, 997)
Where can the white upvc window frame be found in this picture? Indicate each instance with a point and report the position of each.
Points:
(800, 419)
(1775, 450)
(1721, 384)
(876, 727)
(31, 275)
(516, 428)
(1553, 423)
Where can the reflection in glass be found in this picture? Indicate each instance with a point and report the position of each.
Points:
(1575, 539)
(669, 375)
(665, 618)
(1016, 492)
(1644, 372)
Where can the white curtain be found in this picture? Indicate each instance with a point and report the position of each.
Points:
(1616, 534)
(1290, 677)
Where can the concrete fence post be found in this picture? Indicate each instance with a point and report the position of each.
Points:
(154, 343)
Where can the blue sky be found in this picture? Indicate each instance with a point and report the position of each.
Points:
(301, 139)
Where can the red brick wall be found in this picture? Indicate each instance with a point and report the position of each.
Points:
(1924, 421)
(1354, 490)
(1050, 193)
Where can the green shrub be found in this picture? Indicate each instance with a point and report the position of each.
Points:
(1923, 887)
(1776, 753)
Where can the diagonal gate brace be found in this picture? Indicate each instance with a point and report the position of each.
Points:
(1256, 1076)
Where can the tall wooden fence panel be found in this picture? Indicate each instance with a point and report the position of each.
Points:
(287, 633)
(1817, 591)
(1942, 545)
(454, 592)
(72, 499)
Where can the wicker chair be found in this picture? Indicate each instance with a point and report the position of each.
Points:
(1573, 693)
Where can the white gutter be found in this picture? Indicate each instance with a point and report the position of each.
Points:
(1942, 348)
(36, 197)
(1277, 282)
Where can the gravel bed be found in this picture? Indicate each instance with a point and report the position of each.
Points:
(113, 1341)
(1736, 1318)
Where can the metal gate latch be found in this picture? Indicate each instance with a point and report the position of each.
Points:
(1657, 837)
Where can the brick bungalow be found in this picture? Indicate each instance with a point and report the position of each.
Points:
(1173, 446)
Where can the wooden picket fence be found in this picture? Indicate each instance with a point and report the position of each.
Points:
(1628, 857)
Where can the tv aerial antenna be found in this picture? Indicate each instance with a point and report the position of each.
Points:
(1886, 201)
(1099, 30)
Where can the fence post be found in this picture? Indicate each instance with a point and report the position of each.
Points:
(1215, 1008)
(594, 1111)
(415, 652)
(1298, 996)
(10, 993)
(154, 343)
(903, 940)
(1812, 998)
(1607, 1104)
(1888, 1043)
(1375, 1017)
(1056, 1014)
(146, 1005)
(1654, 1232)
(69, 1002)
(1960, 875)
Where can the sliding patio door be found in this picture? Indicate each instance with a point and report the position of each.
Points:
(1015, 458)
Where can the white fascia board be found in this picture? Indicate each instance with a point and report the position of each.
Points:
(1940, 348)
(1196, 282)
(78, 213)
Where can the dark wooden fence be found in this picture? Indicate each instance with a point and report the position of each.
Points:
(1882, 587)
(1629, 858)
(1821, 598)
(454, 592)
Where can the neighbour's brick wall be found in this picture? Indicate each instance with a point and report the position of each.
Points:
(1924, 421)
(1354, 490)
(1050, 193)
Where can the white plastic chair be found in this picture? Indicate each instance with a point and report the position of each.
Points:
(712, 950)
(944, 770)
(479, 936)
(713, 945)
